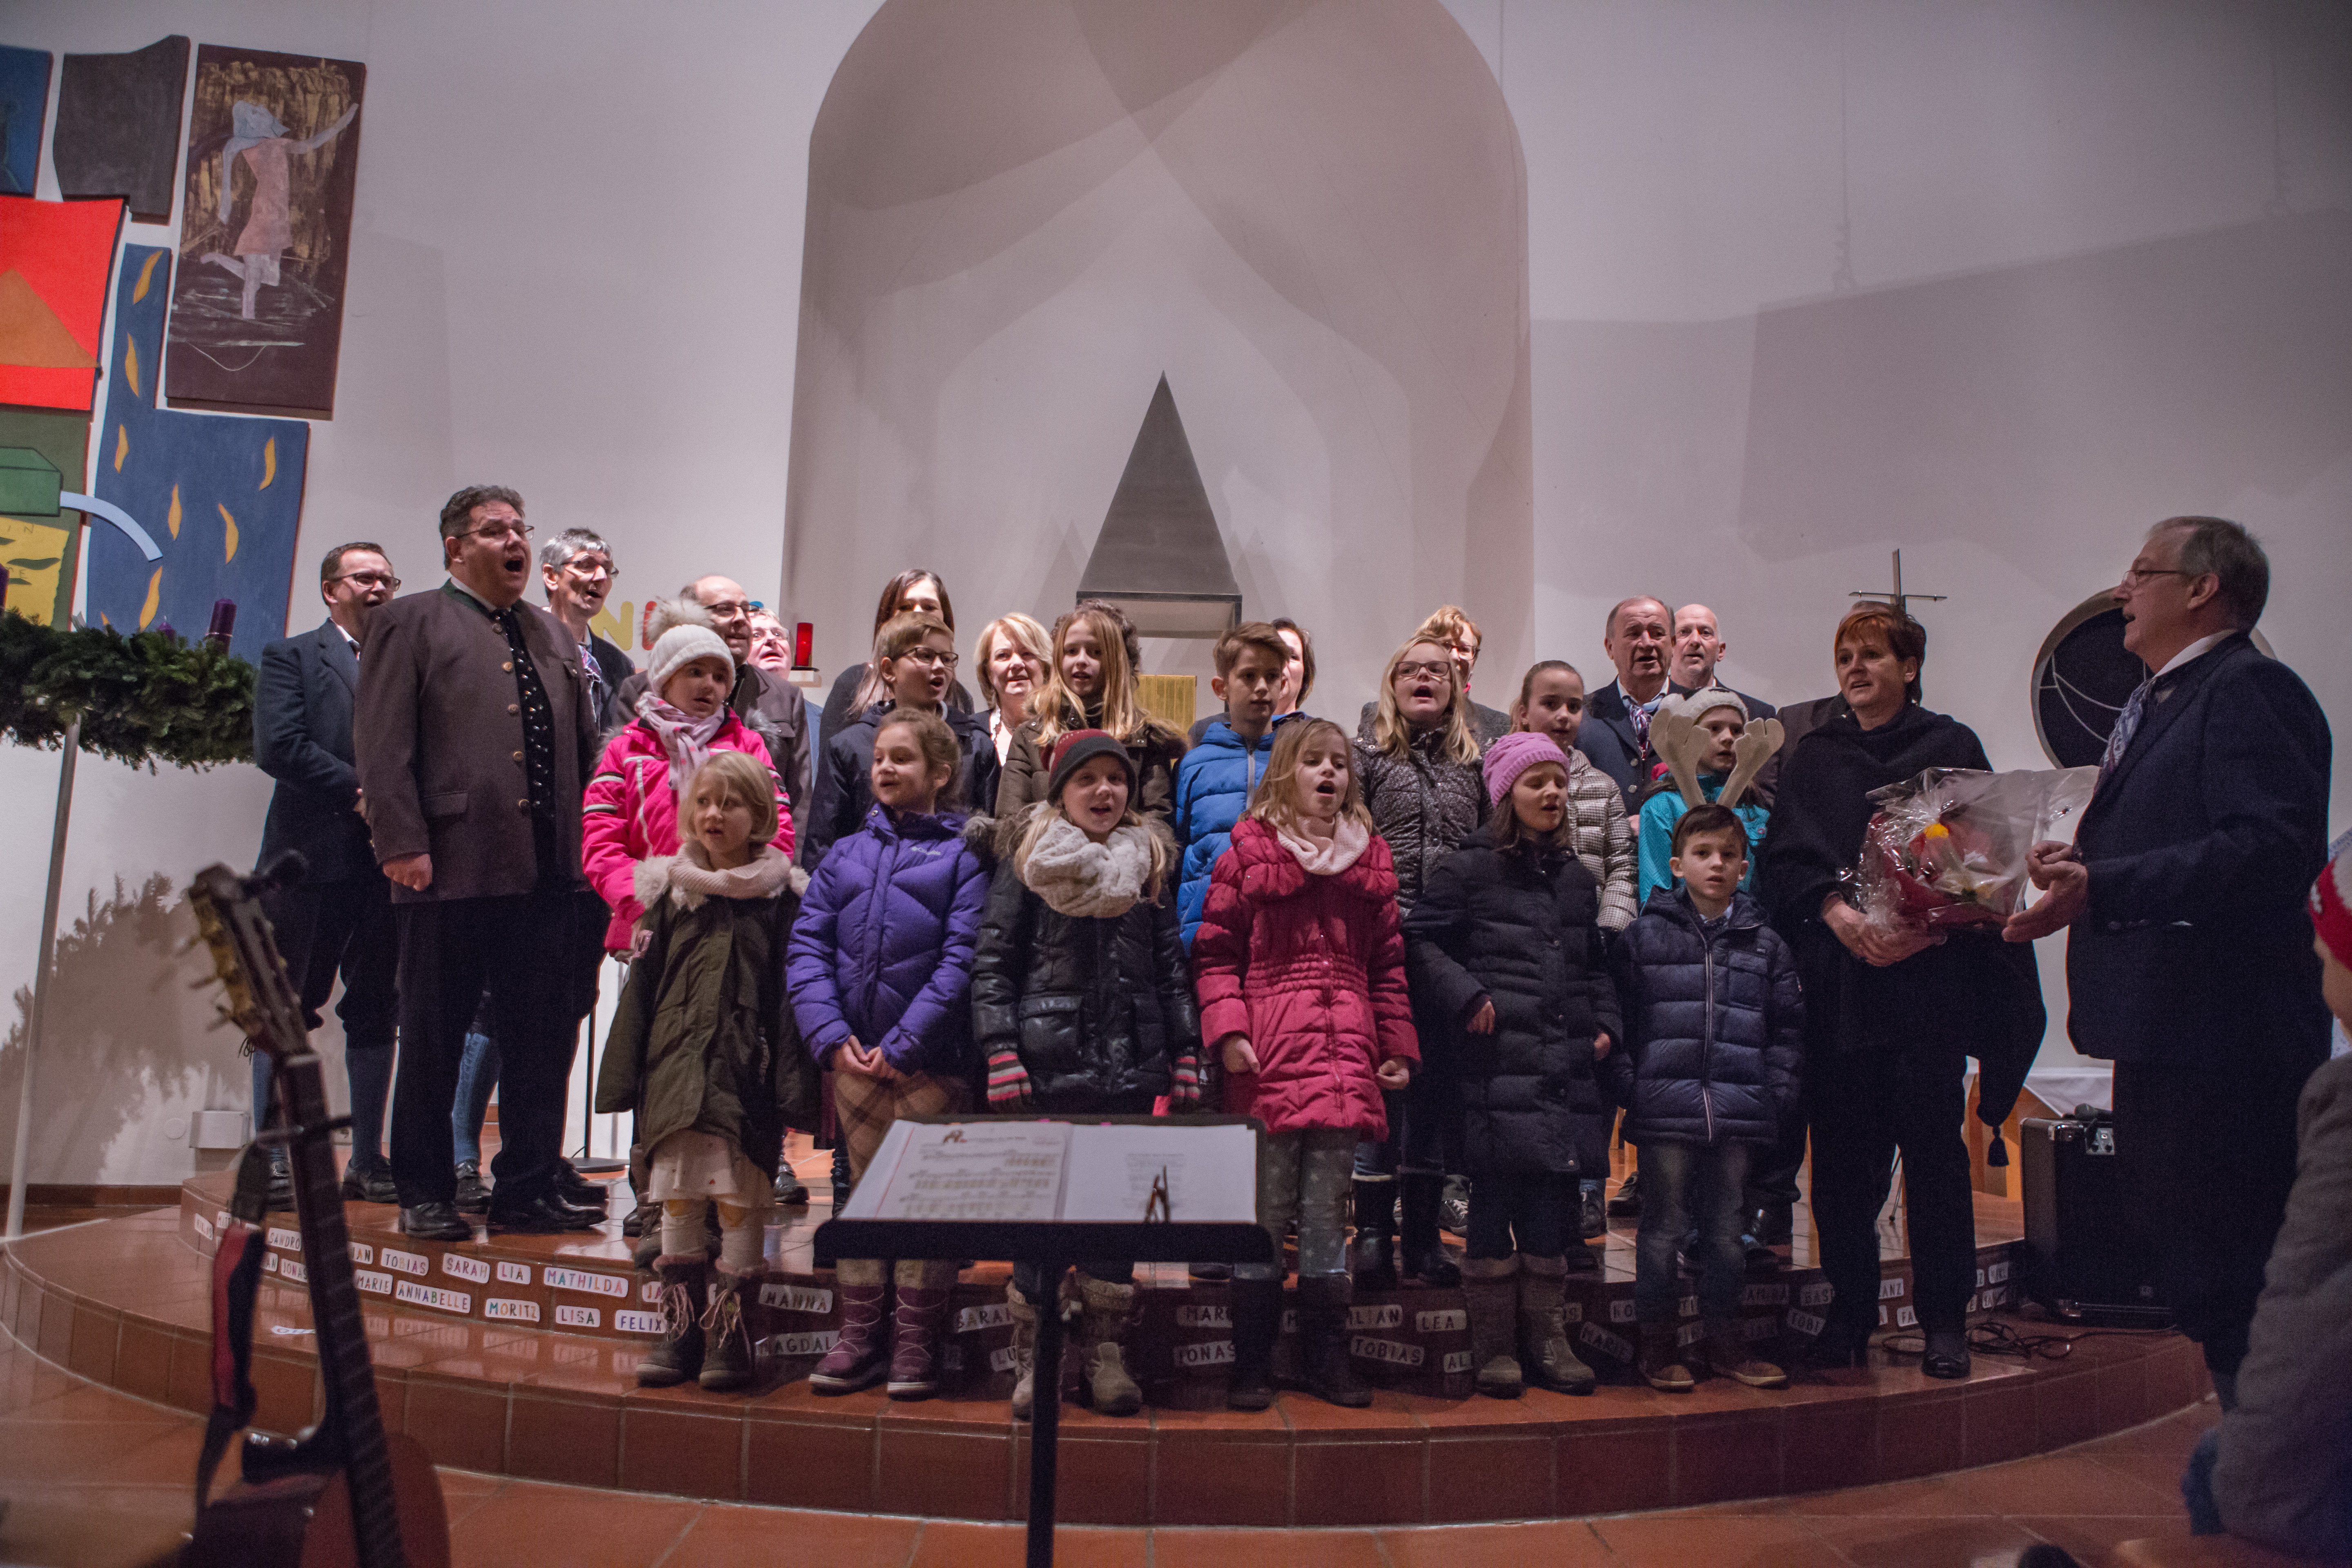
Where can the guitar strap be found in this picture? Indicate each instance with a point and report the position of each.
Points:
(237, 1281)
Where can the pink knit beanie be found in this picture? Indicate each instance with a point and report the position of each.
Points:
(1514, 754)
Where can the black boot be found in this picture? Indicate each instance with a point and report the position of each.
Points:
(1946, 1355)
(842, 1184)
(1257, 1320)
(678, 1357)
(1425, 1258)
(1323, 1324)
(1627, 1203)
(1590, 1222)
(1371, 1257)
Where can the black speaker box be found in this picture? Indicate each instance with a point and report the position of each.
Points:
(2083, 1260)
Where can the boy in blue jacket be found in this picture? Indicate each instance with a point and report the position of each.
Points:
(1218, 775)
(1709, 1071)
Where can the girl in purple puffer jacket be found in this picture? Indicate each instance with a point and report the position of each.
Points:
(879, 972)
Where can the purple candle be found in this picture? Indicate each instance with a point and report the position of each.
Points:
(224, 622)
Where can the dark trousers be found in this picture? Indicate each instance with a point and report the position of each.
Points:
(1863, 1106)
(1772, 1170)
(517, 956)
(345, 927)
(1533, 1212)
(2207, 1155)
(1688, 1187)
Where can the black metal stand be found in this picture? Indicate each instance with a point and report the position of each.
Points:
(1046, 1415)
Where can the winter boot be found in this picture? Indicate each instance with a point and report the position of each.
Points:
(1591, 1224)
(861, 1354)
(1371, 1257)
(1727, 1355)
(1627, 1203)
(1661, 1360)
(1550, 1360)
(1490, 1289)
(1257, 1320)
(1102, 1357)
(1424, 1256)
(920, 1317)
(1025, 1351)
(727, 1357)
(1323, 1324)
(679, 1357)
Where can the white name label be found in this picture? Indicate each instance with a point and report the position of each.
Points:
(400, 1262)
(372, 1279)
(1388, 1352)
(1622, 1309)
(432, 1296)
(1385, 1315)
(635, 1322)
(292, 1269)
(1456, 1361)
(1690, 1335)
(586, 1282)
(1764, 1296)
(818, 1342)
(967, 1320)
(1001, 1358)
(291, 1240)
(1447, 1320)
(458, 1266)
(570, 1317)
(203, 1227)
(1207, 1353)
(269, 1263)
(1817, 1294)
(514, 1273)
(1904, 1318)
(1204, 1317)
(1608, 1344)
(1889, 1289)
(362, 1253)
(502, 1310)
(1998, 1273)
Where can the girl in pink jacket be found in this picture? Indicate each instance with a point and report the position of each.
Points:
(630, 814)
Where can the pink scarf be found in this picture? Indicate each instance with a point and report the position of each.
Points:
(686, 741)
(1327, 858)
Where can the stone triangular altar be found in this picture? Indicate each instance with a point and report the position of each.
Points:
(1160, 556)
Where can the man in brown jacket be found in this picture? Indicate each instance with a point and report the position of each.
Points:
(475, 735)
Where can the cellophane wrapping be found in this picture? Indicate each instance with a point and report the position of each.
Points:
(1948, 848)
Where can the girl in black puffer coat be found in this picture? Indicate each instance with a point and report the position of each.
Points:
(1082, 1003)
(1713, 1043)
(1505, 947)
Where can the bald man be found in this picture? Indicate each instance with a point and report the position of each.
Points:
(1698, 648)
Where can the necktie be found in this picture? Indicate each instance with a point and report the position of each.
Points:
(1642, 715)
(2119, 739)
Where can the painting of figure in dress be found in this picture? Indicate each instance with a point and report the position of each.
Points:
(265, 233)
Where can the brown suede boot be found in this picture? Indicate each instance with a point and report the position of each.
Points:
(679, 1357)
(727, 1357)
(1546, 1356)
(1102, 1356)
(1661, 1360)
(1727, 1355)
(1490, 1289)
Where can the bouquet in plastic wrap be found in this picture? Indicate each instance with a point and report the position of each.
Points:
(1948, 848)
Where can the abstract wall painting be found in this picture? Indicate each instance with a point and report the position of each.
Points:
(36, 549)
(23, 107)
(222, 495)
(265, 232)
(53, 270)
(119, 126)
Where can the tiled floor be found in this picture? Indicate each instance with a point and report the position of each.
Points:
(96, 1478)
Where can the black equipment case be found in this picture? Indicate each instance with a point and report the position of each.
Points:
(2083, 1259)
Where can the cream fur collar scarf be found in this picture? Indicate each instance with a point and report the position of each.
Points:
(1086, 880)
(688, 878)
(1327, 858)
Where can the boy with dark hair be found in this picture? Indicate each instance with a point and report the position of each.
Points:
(1218, 775)
(1713, 1040)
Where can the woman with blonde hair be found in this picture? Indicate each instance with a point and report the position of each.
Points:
(1009, 659)
(1091, 684)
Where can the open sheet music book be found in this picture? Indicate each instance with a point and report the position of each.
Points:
(1000, 1169)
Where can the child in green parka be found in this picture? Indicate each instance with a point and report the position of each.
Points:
(703, 1051)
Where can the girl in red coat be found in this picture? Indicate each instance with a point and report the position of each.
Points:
(1301, 967)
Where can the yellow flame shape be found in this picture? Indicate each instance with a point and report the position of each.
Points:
(172, 518)
(232, 533)
(121, 446)
(131, 364)
(154, 592)
(146, 276)
(268, 461)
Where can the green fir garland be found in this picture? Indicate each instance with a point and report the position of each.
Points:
(143, 699)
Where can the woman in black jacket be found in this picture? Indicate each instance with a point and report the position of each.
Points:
(1504, 948)
(1890, 1017)
(1082, 1003)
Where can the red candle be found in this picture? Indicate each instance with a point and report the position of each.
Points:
(803, 644)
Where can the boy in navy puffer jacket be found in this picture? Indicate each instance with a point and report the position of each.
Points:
(1714, 1044)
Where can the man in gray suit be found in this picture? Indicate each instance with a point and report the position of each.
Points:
(475, 735)
(338, 916)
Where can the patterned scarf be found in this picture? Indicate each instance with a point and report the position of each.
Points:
(686, 741)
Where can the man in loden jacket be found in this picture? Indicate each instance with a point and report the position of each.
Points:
(2190, 963)
(338, 917)
(476, 733)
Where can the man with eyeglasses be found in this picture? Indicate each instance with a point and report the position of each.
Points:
(476, 735)
(770, 706)
(577, 568)
(338, 918)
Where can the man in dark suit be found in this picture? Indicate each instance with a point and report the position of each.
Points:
(2190, 959)
(475, 737)
(1638, 637)
(769, 705)
(577, 567)
(338, 918)
(1698, 648)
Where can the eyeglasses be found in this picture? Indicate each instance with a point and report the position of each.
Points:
(496, 532)
(368, 580)
(729, 609)
(590, 565)
(1431, 668)
(2140, 575)
(932, 658)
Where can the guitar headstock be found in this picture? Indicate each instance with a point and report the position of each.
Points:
(261, 1002)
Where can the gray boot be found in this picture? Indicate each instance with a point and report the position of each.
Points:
(1490, 1289)
(1102, 1356)
(1025, 1351)
(1549, 1359)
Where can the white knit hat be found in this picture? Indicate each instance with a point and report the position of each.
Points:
(682, 633)
(1699, 704)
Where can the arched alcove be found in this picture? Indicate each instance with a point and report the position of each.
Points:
(1310, 215)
